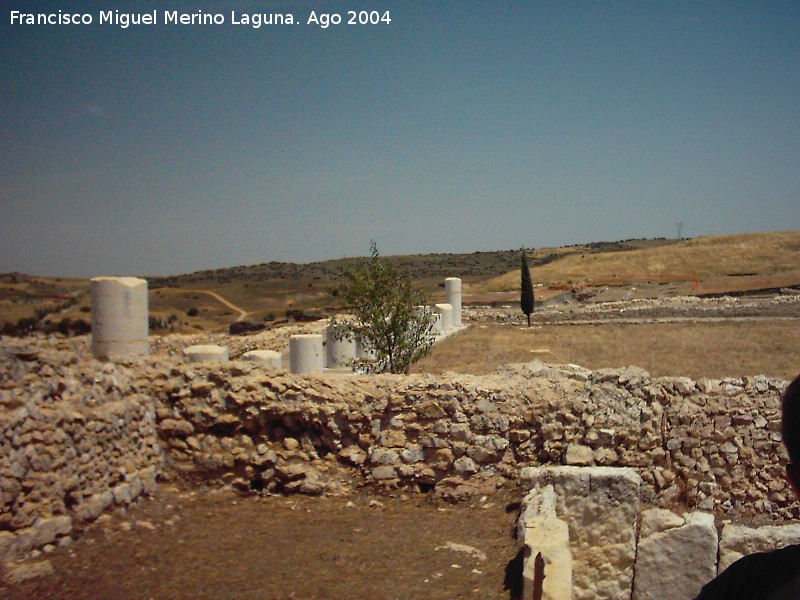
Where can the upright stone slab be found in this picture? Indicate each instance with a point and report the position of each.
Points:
(547, 569)
(206, 353)
(338, 353)
(119, 316)
(437, 323)
(676, 557)
(600, 506)
(305, 354)
(446, 310)
(737, 540)
(452, 290)
(268, 358)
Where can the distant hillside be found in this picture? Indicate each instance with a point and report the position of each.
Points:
(269, 292)
(475, 265)
(761, 258)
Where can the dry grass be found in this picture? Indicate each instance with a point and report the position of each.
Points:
(721, 349)
(760, 255)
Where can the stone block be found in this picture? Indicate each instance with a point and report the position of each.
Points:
(267, 358)
(600, 506)
(676, 556)
(90, 509)
(17, 573)
(206, 353)
(384, 472)
(737, 540)
(7, 545)
(547, 568)
(578, 454)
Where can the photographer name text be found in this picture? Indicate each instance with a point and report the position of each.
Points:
(200, 18)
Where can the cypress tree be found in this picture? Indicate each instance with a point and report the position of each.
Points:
(526, 296)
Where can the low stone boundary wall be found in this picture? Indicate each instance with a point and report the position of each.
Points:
(712, 445)
(74, 430)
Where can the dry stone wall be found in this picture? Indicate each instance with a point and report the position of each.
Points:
(75, 429)
(75, 440)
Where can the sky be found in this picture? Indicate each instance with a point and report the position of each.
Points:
(458, 126)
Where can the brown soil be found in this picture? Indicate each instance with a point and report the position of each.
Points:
(214, 544)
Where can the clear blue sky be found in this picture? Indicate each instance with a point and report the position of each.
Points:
(459, 126)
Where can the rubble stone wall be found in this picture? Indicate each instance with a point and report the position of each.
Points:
(73, 443)
(78, 436)
(712, 445)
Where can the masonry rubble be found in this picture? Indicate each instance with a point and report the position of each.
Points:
(79, 436)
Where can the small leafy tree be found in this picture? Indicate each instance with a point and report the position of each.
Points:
(386, 320)
(526, 295)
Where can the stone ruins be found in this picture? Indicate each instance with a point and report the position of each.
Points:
(626, 475)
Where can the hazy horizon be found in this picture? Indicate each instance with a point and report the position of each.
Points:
(457, 127)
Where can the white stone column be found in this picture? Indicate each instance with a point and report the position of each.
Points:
(119, 316)
(452, 289)
(446, 310)
(338, 353)
(206, 353)
(305, 354)
(268, 358)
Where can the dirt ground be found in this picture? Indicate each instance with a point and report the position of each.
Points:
(195, 544)
(696, 349)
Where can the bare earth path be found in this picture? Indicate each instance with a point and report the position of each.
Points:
(242, 312)
(198, 544)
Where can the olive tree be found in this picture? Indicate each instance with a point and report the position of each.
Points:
(385, 320)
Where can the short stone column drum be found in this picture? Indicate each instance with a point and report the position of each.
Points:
(119, 316)
(338, 353)
(305, 354)
(446, 310)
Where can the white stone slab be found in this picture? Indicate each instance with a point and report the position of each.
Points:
(601, 507)
(268, 358)
(674, 562)
(547, 569)
(738, 540)
(206, 353)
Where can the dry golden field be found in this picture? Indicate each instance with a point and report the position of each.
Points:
(693, 349)
(753, 258)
